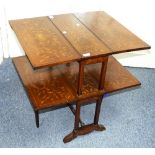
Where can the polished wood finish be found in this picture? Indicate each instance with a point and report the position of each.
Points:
(84, 42)
(51, 88)
(117, 77)
(67, 38)
(82, 131)
(111, 32)
(89, 85)
(82, 64)
(43, 43)
(103, 74)
(95, 60)
(58, 86)
(74, 111)
(45, 87)
(77, 131)
(79, 36)
(77, 116)
(97, 110)
(80, 79)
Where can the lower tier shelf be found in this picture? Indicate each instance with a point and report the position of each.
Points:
(57, 86)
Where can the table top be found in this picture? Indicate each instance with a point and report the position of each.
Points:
(58, 39)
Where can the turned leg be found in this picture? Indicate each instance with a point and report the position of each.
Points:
(37, 118)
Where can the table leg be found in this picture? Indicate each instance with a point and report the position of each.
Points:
(102, 74)
(74, 133)
(37, 118)
(77, 131)
(99, 127)
(74, 111)
(80, 78)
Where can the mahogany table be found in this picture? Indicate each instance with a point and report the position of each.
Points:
(69, 61)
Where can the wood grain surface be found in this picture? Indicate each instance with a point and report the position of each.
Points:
(72, 37)
(45, 87)
(79, 36)
(43, 43)
(58, 86)
(74, 50)
(51, 87)
(117, 76)
(90, 84)
(112, 33)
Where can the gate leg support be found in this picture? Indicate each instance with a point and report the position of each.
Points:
(74, 133)
(99, 127)
(77, 131)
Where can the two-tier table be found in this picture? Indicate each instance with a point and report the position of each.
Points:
(69, 61)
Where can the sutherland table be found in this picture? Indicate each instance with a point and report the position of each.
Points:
(69, 61)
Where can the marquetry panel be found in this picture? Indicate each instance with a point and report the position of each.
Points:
(111, 32)
(43, 43)
(58, 86)
(45, 87)
(79, 36)
(117, 76)
(71, 73)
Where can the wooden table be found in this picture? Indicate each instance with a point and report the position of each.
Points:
(69, 61)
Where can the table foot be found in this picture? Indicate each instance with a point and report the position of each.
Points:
(83, 131)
